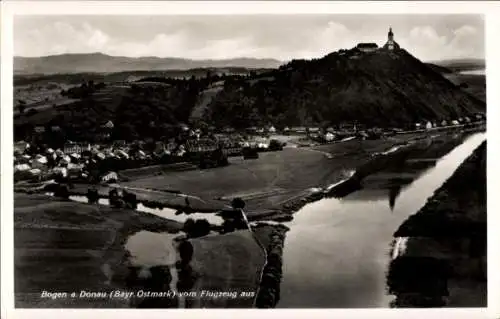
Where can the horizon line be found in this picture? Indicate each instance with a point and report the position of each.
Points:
(145, 56)
(214, 59)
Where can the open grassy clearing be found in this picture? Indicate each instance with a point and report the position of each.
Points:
(273, 178)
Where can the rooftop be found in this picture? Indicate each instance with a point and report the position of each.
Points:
(367, 45)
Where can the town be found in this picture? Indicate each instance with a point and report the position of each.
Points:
(101, 163)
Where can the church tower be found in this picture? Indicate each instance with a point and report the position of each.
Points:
(391, 44)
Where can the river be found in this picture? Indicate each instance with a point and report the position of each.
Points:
(475, 72)
(337, 251)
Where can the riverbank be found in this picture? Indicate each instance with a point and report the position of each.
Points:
(272, 238)
(441, 250)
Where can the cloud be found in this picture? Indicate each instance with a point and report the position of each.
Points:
(426, 36)
(282, 37)
(61, 37)
(427, 44)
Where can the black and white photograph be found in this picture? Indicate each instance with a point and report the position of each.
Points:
(325, 160)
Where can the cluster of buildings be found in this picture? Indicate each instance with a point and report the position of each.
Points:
(390, 45)
(444, 123)
(79, 161)
(41, 165)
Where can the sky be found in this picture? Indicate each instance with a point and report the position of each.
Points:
(429, 37)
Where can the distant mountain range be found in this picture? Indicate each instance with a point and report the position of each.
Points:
(102, 63)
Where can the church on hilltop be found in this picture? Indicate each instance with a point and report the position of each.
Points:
(390, 45)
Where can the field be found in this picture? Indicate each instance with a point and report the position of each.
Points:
(232, 263)
(268, 182)
(40, 96)
(107, 99)
(55, 242)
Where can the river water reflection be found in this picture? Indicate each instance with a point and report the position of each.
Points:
(337, 252)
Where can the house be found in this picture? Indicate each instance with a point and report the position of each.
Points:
(101, 156)
(39, 129)
(428, 126)
(36, 173)
(444, 123)
(65, 160)
(110, 177)
(74, 170)
(121, 154)
(329, 136)
(141, 154)
(367, 47)
(60, 171)
(108, 125)
(200, 146)
(262, 143)
(22, 168)
(455, 122)
(75, 156)
(299, 129)
(271, 129)
(39, 162)
(313, 129)
(21, 146)
(78, 148)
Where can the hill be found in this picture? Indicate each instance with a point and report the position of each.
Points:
(102, 63)
(385, 89)
(380, 88)
(459, 65)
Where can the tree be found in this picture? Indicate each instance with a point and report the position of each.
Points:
(92, 196)
(188, 226)
(238, 203)
(202, 228)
